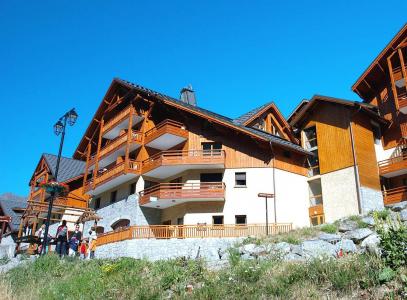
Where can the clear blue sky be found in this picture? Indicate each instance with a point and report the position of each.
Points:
(56, 55)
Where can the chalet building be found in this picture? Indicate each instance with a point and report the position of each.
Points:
(66, 206)
(384, 85)
(11, 208)
(343, 173)
(152, 159)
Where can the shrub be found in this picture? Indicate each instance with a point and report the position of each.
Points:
(234, 256)
(329, 228)
(381, 215)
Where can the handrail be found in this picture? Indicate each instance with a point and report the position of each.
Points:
(395, 195)
(395, 190)
(184, 153)
(191, 231)
(183, 186)
(116, 119)
(396, 159)
(164, 123)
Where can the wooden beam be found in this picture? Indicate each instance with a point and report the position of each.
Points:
(403, 67)
(393, 85)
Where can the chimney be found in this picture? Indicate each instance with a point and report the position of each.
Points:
(188, 95)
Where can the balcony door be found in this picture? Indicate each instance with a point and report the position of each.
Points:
(211, 148)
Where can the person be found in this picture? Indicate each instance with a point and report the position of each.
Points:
(92, 242)
(40, 234)
(62, 239)
(83, 249)
(74, 241)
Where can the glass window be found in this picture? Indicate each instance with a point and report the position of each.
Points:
(211, 148)
(240, 179)
(132, 188)
(240, 220)
(217, 220)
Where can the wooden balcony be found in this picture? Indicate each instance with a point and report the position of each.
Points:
(164, 195)
(37, 195)
(316, 210)
(71, 202)
(393, 166)
(395, 195)
(191, 231)
(171, 162)
(112, 176)
(166, 135)
(402, 100)
(115, 148)
(112, 127)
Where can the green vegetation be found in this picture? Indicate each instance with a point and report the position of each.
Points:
(329, 228)
(358, 220)
(51, 278)
(381, 215)
(4, 260)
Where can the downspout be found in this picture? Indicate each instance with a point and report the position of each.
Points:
(356, 170)
(274, 183)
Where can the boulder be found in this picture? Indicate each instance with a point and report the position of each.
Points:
(281, 247)
(293, 257)
(358, 234)
(247, 248)
(258, 251)
(371, 244)
(296, 249)
(369, 220)
(317, 248)
(403, 215)
(347, 246)
(347, 225)
(398, 206)
(329, 237)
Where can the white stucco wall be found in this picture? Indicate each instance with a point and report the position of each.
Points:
(339, 194)
(382, 154)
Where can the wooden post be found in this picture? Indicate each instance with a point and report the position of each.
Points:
(3, 229)
(88, 150)
(393, 86)
(95, 171)
(20, 229)
(403, 67)
(129, 140)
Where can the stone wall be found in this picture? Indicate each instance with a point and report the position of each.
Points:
(153, 249)
(370, 200)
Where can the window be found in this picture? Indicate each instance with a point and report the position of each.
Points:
(113, 197)
(97, 203)
(132, 188)
(211, 148)
(211, 177)
(310, 138)
(100, 229)
(217, 220)
(240, 179)
(315, 192)
(121, 224)
(240, 220)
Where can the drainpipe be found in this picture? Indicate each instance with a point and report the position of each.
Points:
(274, 183)
(356, 170)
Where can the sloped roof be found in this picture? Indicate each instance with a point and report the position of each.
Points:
(247, 116)
(225, 120)
(68, 168)
(7, 205)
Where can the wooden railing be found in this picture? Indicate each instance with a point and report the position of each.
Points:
(117, 119)
(198, 190)
(178, 157)
(113, 172)
(395, 195)
(402, 99)
(166, 126)
(191, 231)
(71, 202)
(393, 164)
(115, 144)
(316, 210)
(37, 193)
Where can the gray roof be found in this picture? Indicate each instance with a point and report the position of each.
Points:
(243, 118)
(7, 203)
(264, 135)
(68, 168)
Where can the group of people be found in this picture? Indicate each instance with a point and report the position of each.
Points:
(70, 243)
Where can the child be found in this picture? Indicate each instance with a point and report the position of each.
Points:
(82, 249)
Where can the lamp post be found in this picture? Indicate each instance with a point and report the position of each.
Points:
(266, 196)
(59, 127)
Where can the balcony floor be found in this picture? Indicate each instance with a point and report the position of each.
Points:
(112, 183)
(163, 172)
(166, 141)
(114, 132)
(394, 173)
(165, 203)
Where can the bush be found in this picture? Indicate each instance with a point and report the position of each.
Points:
(393, 241)
(329, 228)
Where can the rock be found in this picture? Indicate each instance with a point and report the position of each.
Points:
(371, 244)
(247, 248)
(293, 257)
(317, 248)
(394, 216)
(296, 249)
(258, 251)
(347, 225)
(329, 237)
(246, 256)
(347, 246)
(281, 247)
(369, 220)
(358, 234)
(398, 206)
(403, 215)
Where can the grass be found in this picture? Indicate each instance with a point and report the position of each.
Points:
(139, 279)
(293, 237)
(359, 222)
(4, 260)
(329, 228)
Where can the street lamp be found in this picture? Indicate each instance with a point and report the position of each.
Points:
(266, 196)
(59, 128)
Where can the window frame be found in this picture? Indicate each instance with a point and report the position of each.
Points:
(240, 216)
(245, 180)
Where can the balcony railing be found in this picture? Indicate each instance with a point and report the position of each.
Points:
(115, 144)
(180, 157)
(395, 195)
(38, 193)
(70, 202)
(113, 172)
(166, 126)
(169, 191)
(393, 164)
(316, 210)
(117, 119)
(191, 231)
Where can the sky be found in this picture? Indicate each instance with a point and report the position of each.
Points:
(56, 55)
